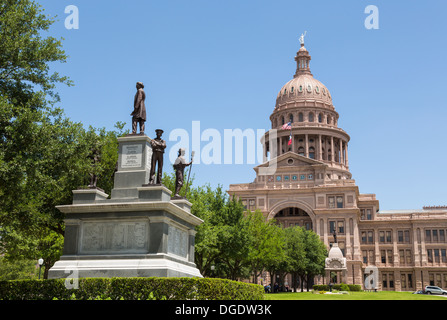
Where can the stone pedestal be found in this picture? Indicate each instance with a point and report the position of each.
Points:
(139, 232)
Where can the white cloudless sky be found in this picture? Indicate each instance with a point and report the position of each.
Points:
(222, 63)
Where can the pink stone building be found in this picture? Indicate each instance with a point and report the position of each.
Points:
(305, 181)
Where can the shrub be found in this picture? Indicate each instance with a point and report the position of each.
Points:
(321, 287)
(340, 287)
(355, 287)
(132, 289)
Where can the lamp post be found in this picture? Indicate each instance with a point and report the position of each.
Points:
(212, 271)
(40, 265)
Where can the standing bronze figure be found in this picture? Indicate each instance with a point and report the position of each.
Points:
(158, 149)
(139, 109)
(95, 158)
(179, 167)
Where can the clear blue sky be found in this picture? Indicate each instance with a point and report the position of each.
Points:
(223, 62)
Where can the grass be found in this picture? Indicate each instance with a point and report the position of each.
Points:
(381, 295)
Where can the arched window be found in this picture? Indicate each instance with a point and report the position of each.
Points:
(291, 117)
(282, 120)
(301, 151)
(312, 152)
(311, 117)
(328, 121)
(320, 118)
(300, 117)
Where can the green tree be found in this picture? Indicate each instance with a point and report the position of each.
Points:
(267, 243)
(316, 254)
(296, 252)
(43, 155)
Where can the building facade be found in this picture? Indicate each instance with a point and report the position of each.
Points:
(305, 181)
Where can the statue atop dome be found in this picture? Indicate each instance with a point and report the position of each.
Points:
(302, 37)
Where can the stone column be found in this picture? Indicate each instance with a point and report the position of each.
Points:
(348, 240)
(376, 247)
(423, 250)
(332, 150)
(293, 143)
(341, 151)
(306, 145)
(417, 261)
(395, 251)
(325, 236)
(357, 255)
(346, 155)
(320, 150)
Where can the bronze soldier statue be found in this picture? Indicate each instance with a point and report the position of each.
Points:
(158, 149)
(139, 109)
(95, 158)
(179, 167)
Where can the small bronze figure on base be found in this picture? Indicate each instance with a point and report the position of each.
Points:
(139, 109)
(179, 167)
(158, 150)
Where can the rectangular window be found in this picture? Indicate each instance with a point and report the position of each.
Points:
(331, 202)
(365, 256)
(436, 253)
(408, 257)
(371, 258)
(390, 256)
(403, 281)
(362, 214)
(388, 236)
(391, 276)
(429, 255)
(382, 236)
(363, 236)
(441, 236)
(331, 227)
(339, 202)
(435, 235)
(401, 257)
(400, 236)
(384, 281)
(341, 227)
(341, 245)
(438, 280)
(431, 278)
(370, 237)
(427, 235)
(410, 280)
(383, 256)
(407, 236)
(443, 256)
(368, 214)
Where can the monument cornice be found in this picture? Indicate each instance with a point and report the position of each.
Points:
(131, 207)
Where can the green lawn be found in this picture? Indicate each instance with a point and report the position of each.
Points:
(382, 295)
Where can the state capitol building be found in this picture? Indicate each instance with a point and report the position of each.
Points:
(311, 186)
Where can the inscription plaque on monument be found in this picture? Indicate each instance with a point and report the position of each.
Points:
(114, 237)
(178, 241)
(132, 156)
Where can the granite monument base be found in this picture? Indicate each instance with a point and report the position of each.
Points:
(139, 232)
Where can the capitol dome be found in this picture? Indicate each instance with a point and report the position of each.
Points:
(303, 89)
(306, 122)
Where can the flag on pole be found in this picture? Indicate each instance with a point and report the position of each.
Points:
(287, 126)
(290, 139)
